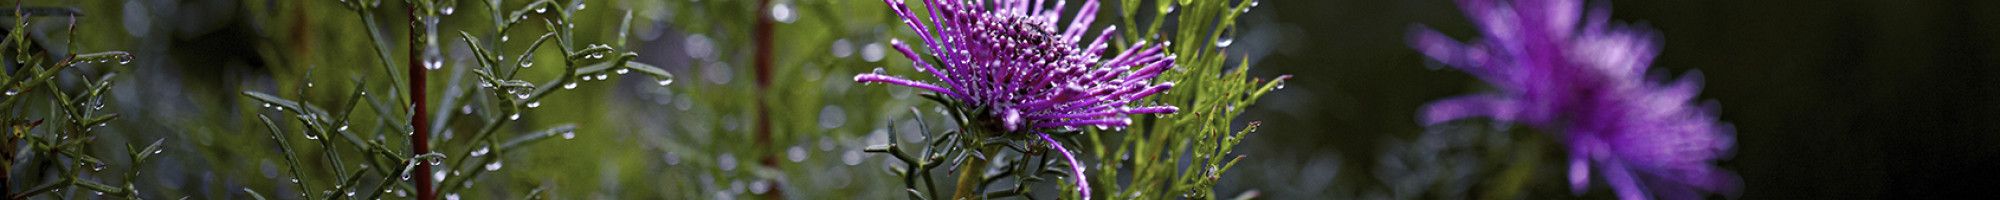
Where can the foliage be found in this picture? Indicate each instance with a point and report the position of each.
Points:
(500, 97)
(51, 142)
(1185, 154)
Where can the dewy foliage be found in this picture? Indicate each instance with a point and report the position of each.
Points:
(820, 120)
(1184, 154)
(53, 104)
(1179, 155)
(499, 97)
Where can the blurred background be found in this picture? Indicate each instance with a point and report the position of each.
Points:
(1837, 99)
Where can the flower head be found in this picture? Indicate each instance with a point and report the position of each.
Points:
(1008, 59)
(1011, 59)
(1587, 81)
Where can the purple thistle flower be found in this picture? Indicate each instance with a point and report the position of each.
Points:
(1008, 58)
(1588, 81)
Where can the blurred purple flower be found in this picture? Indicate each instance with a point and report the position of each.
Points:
(1588, 81)
(1009, 59)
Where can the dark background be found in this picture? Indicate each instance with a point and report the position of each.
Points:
(1833, 99)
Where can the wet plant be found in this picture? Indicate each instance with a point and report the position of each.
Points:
(54, 105)
(398, 155)
(1025, 94)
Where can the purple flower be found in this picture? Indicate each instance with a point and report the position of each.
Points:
(1588, 82)
(1009, 59)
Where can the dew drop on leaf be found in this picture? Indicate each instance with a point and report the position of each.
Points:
(782, 12)
(571, 85)
(437, 160)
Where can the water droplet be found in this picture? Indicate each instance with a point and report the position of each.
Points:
(406, 176)
(436, 160)
(1228, 37)
(522, 96)
(581, 6)
(527, 63)
(453, 196)
(1280, 86)
(350, 193)
(759, 187)
(622, 71)
(832, 116)
(726, 161)
(542, 9)
(879, 70)
(11, 92)
(603, 77)
(534, 104)
(310, 136)
(699, 46)
(495, 166)
(433, 61)
(447, 10)
(665, 82)
(570, 85)
(842, 48)
(516, 116)
(782, 12)
(504, 38)
(851, 157)
(796, 153)
(437, 176)
(672, 159)
(99, 193)
(467, 109)
(97, 167)
(569, 135)
(343, 128)
(295, 180)
(872, 52)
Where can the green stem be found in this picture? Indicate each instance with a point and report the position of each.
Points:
(973, 172)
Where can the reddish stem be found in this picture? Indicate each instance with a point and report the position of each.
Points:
(762, 33)
(419, 137)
